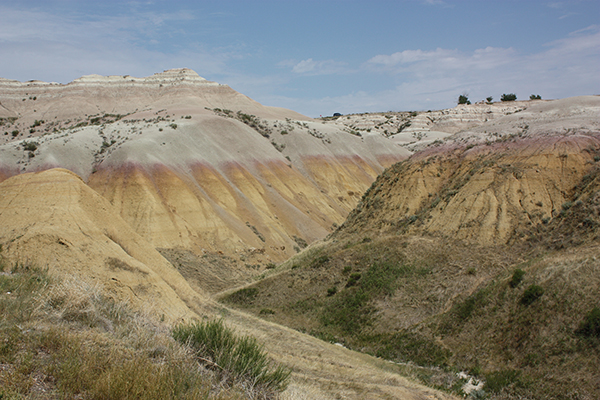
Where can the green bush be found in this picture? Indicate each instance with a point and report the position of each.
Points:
(471, 304)
(489, 99)
(517, 277)
(350, 311)
(508, 97)
(532, 293)
(590, 326)
(236, 357)
(463, 99)
(535, 97)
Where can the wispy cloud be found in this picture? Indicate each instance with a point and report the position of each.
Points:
(69, 46)
(431, 79)
(312, 67)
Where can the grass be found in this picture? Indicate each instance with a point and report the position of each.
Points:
(66, 339)
(238, 358)
(412, 300)
(531, 294)
(243, 296)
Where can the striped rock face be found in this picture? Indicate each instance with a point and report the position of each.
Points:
(192, 164)
(492, 183)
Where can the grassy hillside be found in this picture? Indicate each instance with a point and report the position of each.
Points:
(521, 315)
(66, 339)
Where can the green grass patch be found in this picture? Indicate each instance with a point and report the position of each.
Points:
(498, 380)
(531, 294)
(406, 346)
(65, 338)
(234, 357)
(590, 327)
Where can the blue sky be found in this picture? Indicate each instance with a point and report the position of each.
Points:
(317, 57)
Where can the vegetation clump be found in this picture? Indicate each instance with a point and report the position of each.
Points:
(532, 293)
(463, 99)
(590, 327)
(236, 358)
(517, 277)
(243, 296)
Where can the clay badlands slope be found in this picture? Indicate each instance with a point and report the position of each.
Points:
(209, 184)
(184, 173)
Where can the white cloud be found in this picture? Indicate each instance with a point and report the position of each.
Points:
(311, 67)
(68, 46)
(422, 80)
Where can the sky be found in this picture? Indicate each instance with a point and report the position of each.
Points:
(317, 57)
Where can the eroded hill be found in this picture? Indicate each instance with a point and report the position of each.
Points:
(192, 164)
(478, 254)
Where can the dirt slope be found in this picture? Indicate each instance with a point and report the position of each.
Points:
(52, 219)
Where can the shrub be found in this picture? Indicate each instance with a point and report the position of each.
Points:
(471, 304)
(590, 326)
(535, 97)
(320, 261)
(463, 99)
(489, 99)
(236, 357)
(353, 279)
(532, 293)
(173, 126)
(517, 277)
(30, 146)
(508, 97)
(331, 291)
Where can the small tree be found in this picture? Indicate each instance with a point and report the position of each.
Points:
(508, 97)
(489, 99)
(463, 99)
(535, 97)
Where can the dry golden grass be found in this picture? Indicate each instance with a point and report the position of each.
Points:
(66, 339)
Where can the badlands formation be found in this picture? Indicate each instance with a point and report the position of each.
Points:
(479, 253)
(169, 189)
(192, 164)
